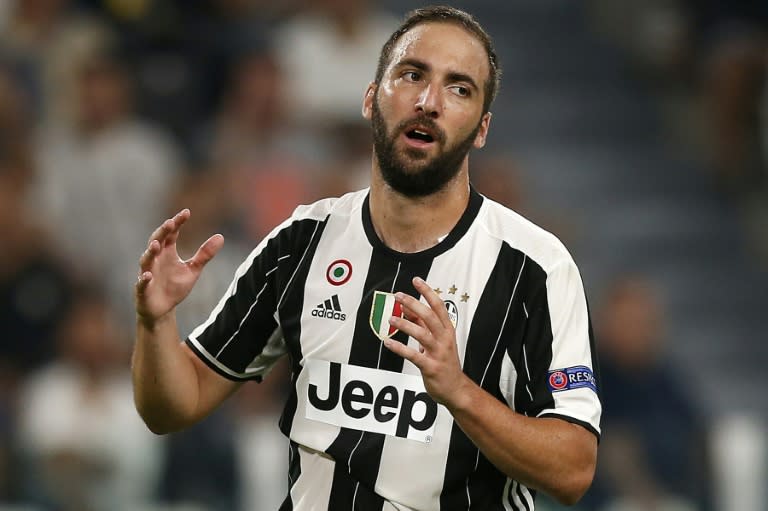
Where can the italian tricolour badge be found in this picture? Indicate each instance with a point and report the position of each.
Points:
(383, 307)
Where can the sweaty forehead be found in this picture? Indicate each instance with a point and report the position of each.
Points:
(443, 45)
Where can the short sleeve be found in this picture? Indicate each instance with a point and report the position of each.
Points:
(241, 339)
(559, 352)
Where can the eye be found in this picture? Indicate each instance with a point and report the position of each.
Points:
(461, 90)
(412, 76)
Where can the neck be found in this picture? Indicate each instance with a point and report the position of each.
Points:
(413, 224)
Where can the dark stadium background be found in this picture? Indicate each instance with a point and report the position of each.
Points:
(635, 130)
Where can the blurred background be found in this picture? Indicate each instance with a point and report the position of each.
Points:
(635, 130)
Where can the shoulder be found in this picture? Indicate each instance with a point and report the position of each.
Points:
(535, 242)
(307, 219)
(346, 205)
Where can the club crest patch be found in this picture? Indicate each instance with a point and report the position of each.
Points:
(382, 308)
(569, 378)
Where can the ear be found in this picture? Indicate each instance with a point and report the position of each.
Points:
(370, 92)
(482, 133)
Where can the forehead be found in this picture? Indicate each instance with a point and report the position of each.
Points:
(444, 46)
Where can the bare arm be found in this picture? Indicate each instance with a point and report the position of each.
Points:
(548, 454)
(173, 388)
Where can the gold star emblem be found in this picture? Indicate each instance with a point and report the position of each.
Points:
(438, 290)
(452, 290)
(464, 297)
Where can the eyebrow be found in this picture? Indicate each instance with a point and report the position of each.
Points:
(453, 76)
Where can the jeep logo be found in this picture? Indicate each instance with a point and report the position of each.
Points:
(370, 400)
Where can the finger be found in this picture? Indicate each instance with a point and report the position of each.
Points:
(435, 302)
(148, 256)
(207, 251)
(407, 353)
(429, 313)
(179, 219)
(412, 315)
(413, 329)
(412, 307)
(169, 226)
(143, 282)
(417, 323)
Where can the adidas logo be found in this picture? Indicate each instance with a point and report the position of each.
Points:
(331, 309)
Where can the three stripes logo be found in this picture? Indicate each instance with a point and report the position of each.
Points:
(331, 309)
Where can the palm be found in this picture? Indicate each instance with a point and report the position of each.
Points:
(164, 279)
(172, 283)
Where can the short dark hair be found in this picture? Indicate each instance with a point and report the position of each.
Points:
(445, 14)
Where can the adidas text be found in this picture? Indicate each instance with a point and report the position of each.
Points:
(330, 314)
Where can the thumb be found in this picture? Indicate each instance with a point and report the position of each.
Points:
(207, 251)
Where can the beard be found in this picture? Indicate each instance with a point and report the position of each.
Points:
(412, 173)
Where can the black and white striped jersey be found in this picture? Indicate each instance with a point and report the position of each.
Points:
(364, 434)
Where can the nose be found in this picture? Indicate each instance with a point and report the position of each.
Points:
(428, 101)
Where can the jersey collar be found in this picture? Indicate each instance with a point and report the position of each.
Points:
(459, 230)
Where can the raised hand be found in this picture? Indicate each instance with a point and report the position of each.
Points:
(164, 278)
(437, 359)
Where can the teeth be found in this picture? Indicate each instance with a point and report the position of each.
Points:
(421, 132)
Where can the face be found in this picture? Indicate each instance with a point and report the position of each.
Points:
(427, 112)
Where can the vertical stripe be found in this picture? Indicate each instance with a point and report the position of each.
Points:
(471, 481)
(312, 488)
(525, 497)
(313, 239)
(243, 321)
(535, 353)
(505, 496)
(519, 506)
(527, 373)
(504, 322)
(294, 471)
(289, 311)
(357, 452)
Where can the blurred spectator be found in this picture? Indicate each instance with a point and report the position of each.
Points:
(253, 149)
(329, 52)
(34, 291)
(653, 452)
(349, 167)
(105, 179)
(34, 283)
(710, 57)
(740, 451)
(732, 41)
(262, 448)
(85, 447)
(165, 50)
(42, 39)
(15, 117)
(202, 468)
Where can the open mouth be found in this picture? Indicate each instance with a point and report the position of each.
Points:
(419, 135)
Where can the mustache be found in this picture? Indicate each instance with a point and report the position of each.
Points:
(425, 121)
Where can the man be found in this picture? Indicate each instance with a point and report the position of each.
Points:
(473, 391)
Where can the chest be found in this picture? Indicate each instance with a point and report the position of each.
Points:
(340, 317)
